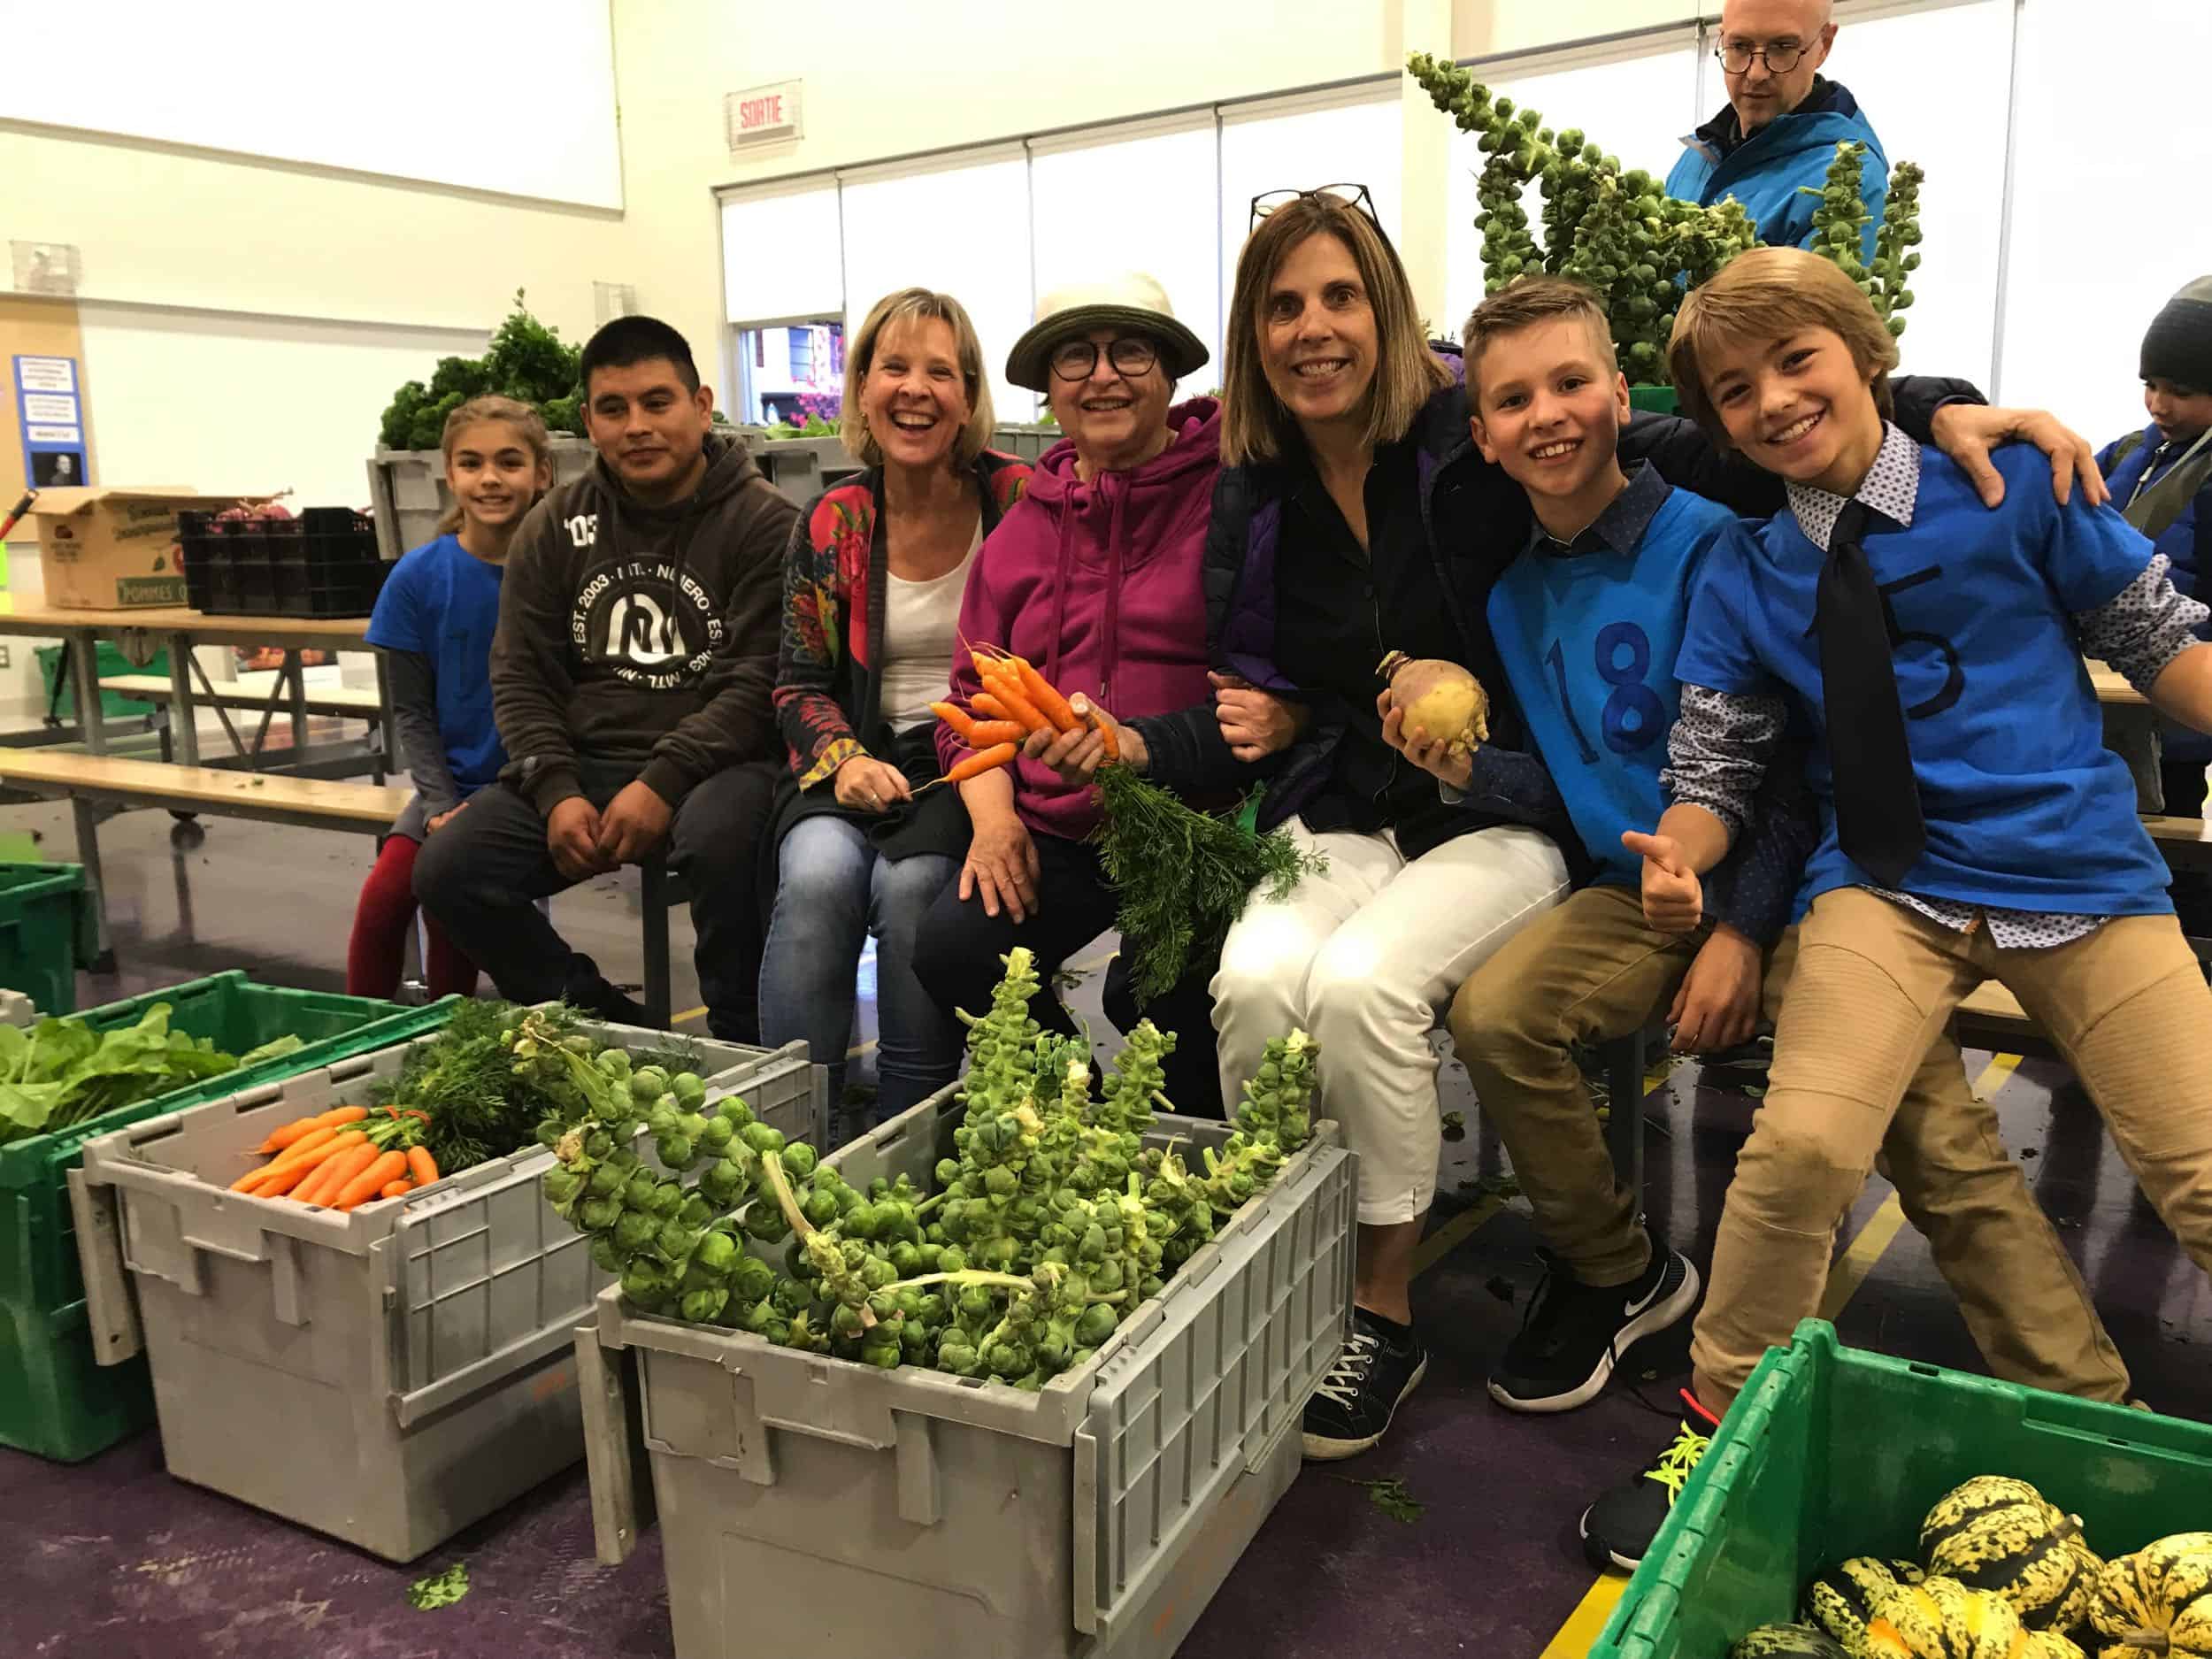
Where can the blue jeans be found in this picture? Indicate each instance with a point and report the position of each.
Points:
(832, 892)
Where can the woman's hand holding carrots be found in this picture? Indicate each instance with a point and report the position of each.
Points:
(1097, 740)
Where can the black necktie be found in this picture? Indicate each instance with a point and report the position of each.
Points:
(1877, 803)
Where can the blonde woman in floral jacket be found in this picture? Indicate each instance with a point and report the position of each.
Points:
(872, 586)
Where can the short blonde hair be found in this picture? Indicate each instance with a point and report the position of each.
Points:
(1255, 425)
(1764, 293)
(1523, 304)
(917, 305)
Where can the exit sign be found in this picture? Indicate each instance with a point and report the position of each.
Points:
(762, 113)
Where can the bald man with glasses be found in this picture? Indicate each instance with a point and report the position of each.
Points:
(1781, 125)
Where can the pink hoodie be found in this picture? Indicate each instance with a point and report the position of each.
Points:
(1099, 586)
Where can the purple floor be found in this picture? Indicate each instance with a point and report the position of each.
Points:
(115, 1560)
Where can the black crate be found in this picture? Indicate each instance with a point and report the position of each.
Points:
(322, 564)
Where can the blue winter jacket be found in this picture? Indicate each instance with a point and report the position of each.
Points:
(2139, 461)
(1768, 171)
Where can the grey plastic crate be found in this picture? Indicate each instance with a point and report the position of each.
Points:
(809, 1502)
(1025, 441)
(408, 494)
(386, 1375)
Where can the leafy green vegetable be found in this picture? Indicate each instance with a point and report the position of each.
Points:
(60, 1073)
(443, 1589)
(1391, 1498)
(527, 361)
(480, 1106)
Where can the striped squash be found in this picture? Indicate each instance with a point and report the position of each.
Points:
(2048, 1644)
(1844, 1600)
(1997, 1534)
(1942, 1619)
(1786, 1641)
(2157, 1601)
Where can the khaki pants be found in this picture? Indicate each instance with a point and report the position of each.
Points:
(1593, 969)
(1874, 985)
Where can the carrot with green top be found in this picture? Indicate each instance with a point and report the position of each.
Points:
(422, 1169)
(989, 734)
(989, 706)
(1006, 686)
(337, 1172)
(1045, 700)
(982, 761)
(952, 714)
(395, 1189)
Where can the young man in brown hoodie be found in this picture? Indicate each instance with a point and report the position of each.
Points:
(631, 674)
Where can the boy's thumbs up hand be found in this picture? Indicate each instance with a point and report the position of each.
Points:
(1674, 900)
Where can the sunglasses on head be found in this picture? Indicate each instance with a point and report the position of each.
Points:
(1351, 194)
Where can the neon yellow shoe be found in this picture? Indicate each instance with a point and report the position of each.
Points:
(1618, 1528)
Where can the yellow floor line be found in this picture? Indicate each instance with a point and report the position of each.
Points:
(688, 1015)
(1587, 1623)
(1584, 1626)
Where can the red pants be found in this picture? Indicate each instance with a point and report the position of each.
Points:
(386, 912)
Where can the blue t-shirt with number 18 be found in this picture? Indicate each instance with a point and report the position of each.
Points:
(441, 602)
(1588, 640)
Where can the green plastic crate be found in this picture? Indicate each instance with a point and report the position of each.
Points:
(53, 664)
(1833, 1452)
(55, 1399)
(1658, 400)
(47, 933)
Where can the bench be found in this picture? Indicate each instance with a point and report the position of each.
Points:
(338, 700)
(87, 781)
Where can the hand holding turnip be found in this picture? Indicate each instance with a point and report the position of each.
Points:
(1432, 755)
(1441, 702)
(1674, 899)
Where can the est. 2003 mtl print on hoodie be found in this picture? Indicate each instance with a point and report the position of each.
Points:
(647, 620)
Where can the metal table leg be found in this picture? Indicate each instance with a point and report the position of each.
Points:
(88, 856)
(385, 716)
(294, 675)
(184, 719)
(84, 674)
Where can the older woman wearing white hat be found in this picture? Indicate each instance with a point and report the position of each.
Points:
(1095, 576)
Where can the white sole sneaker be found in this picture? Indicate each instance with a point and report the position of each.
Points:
(1656, 1317)
(1611, 1554)
(1322, 1449)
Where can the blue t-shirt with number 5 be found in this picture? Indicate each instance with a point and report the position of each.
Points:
(2025, 807)
(1588, 640)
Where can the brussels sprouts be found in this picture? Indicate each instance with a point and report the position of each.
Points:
(599, 1214)
(561, 1185)
(761, 1138)
(799, 1160)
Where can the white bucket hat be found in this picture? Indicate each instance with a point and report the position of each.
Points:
(1131, 300)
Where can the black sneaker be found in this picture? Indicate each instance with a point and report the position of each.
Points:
(1382, 1363)
(590, 992)
(1618, 1528)
(1574, 1333)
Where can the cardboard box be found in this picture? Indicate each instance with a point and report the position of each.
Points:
(111, 548)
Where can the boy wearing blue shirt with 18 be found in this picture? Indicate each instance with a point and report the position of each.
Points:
(1975, 826)
(1589, 621)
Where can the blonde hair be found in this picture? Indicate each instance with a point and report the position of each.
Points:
(1255, 425)
(1523, 304)
(1764, 295)
(917, 305)
(529, 424)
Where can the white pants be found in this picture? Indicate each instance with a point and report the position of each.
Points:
(1365, 957)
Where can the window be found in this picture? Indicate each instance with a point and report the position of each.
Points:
(1150, 188)
(959, 226)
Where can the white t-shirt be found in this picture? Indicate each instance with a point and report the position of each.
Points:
(921, 623)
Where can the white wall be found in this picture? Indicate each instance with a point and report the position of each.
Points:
(404, 89)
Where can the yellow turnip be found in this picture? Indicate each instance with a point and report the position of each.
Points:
(1439, 700)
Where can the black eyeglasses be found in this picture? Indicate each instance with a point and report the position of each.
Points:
(1131, 354)
(1350, 195)
(1781, 57)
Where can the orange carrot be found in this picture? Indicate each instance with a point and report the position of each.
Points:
(1006, 688)
(984, 733)
(284, 1136)
(394, 1189)
(364, 1183)
(985, 760)
(282, 1180)
(314, 1151)
(1046, 700)
(337, 1172)
(422, 1169)
(341, 1116)
(957, 717)
(1098, 720)
(989, 706)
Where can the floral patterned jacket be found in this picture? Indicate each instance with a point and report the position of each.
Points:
(829, 669)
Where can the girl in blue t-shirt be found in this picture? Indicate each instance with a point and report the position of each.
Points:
(433, 623)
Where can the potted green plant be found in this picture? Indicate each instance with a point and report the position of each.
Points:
(1620, 232)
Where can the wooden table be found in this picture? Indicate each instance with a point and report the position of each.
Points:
(180, 630)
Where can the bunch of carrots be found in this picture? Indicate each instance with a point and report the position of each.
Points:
(343, 1158)
(1016, 700)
